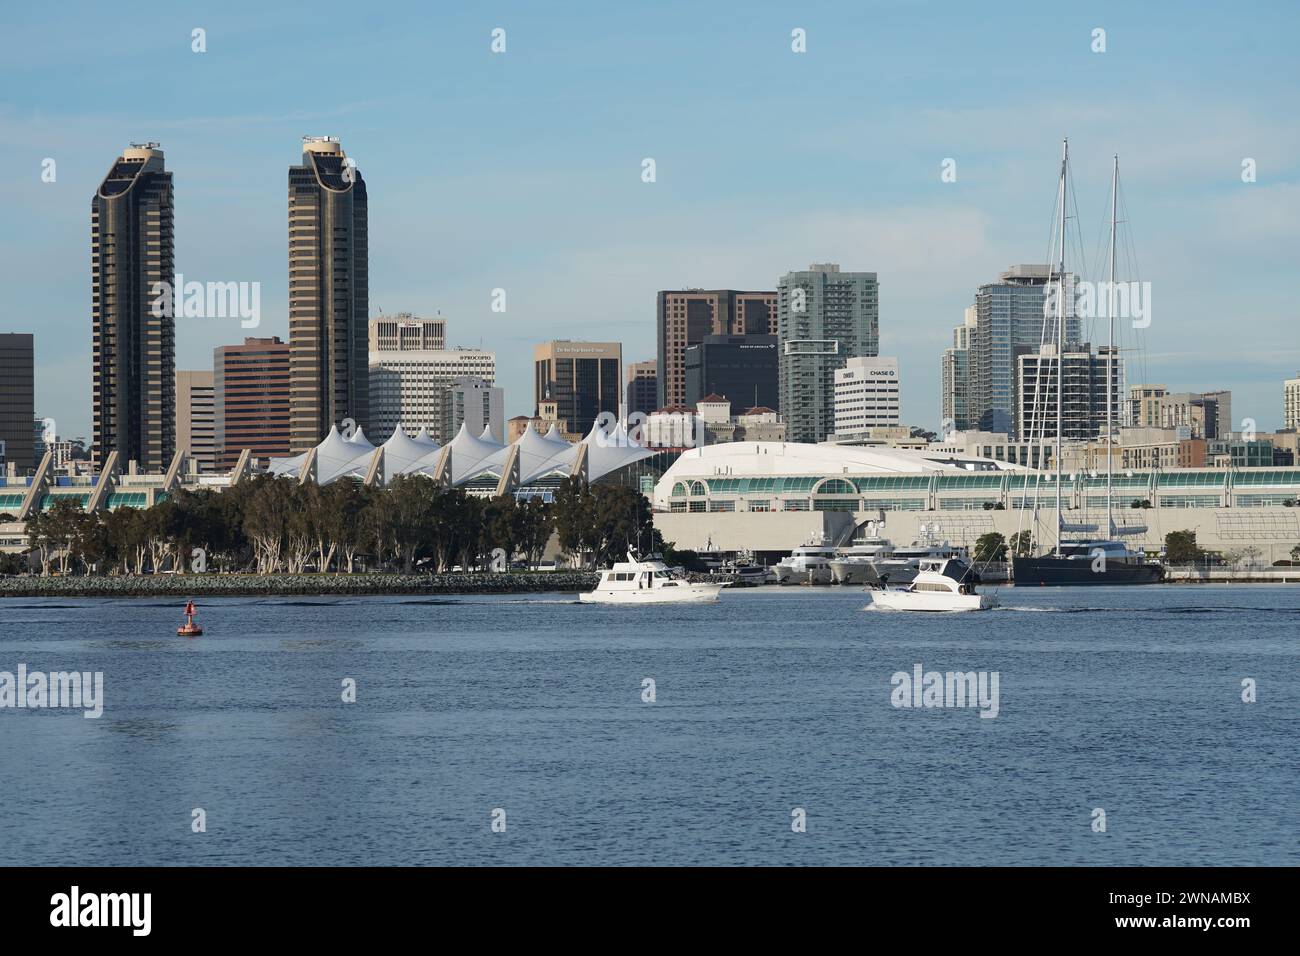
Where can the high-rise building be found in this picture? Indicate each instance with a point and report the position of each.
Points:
(1142, 410)
(867, 396)
(1291, 403)
(744, 368)
(250, 396)
(825, 318)
(410, 387)
(642, 387)
(476, 404)
(1010, 320)
(584, 379)
(685, 317)
(955, 376)
(405, 332)
(1206, 414)
(133, 342)
(329, 303)
(17, 399)
(196, 417)
(1083, 407)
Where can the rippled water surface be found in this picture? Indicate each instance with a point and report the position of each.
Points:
(1127, 700)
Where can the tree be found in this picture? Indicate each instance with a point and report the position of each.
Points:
(1181, 548)
(990, 546)
(1295, 553)
(1021, 544)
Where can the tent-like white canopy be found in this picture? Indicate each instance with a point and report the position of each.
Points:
(472, 456)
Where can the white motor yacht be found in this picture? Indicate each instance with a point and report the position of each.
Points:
(855, 563)
(808, 564)
(902, 564)
(941, 584)
(649, 581)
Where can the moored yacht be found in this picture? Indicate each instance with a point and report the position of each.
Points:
(941, 584)
(808, 564)
(855, 564)
(648, 581)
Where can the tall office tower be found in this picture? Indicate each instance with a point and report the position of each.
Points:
(1083, 408)
(329, 302)
(1291, 403)
(685, 317)
(955, 377)
(742, 368)
(406, 332)
(642, 387)
(867, 395)
(582, 378)
(410, 387)
(196, 417)
(1009, 321)
(17, 400)
(250, 396)
(825, 318)
(1142, 410)
(133, 344)
(478, 405)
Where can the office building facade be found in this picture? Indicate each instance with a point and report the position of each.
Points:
(17, 400)
(405, 332)
(1010, 319)
(743, 368)
(478, 405)
(642, 387)
(409, 388)
(824, 318)
(685, 317)
(196, 416)
(867, 395)
(133, 338)
(250, 397)
(584, 379)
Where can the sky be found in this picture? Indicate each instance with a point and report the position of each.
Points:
(522, 170)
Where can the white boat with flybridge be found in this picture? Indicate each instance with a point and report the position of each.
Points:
(807, 564)
(648, 581)
(941, 584)
(855, 563)
(902, 564)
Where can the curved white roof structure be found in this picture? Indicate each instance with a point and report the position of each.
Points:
(792, 459)
(540, 456)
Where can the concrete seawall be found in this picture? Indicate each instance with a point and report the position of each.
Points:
(245, 585)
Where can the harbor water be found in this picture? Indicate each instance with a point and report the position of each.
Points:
(764, 729)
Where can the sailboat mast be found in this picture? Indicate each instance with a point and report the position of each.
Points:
(1060, 341)
(1111, 364)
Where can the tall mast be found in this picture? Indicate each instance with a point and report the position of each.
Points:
(1060, 341)
(1110, 362)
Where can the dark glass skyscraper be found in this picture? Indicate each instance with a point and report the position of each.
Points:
(329, 298)
(17, 399)
(743, 368)
(133, 379)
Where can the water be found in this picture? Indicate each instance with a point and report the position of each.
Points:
(1127, 700)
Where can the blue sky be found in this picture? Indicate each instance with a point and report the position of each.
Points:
(522, 170)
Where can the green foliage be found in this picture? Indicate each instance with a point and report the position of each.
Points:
(1021, 543)
(990, 546)
(1181, 548)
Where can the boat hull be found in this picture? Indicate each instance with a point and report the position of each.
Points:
(853, 572)
(933, 601)
(1078, 572)
(688, 594)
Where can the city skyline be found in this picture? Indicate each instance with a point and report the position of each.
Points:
(542, 201)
